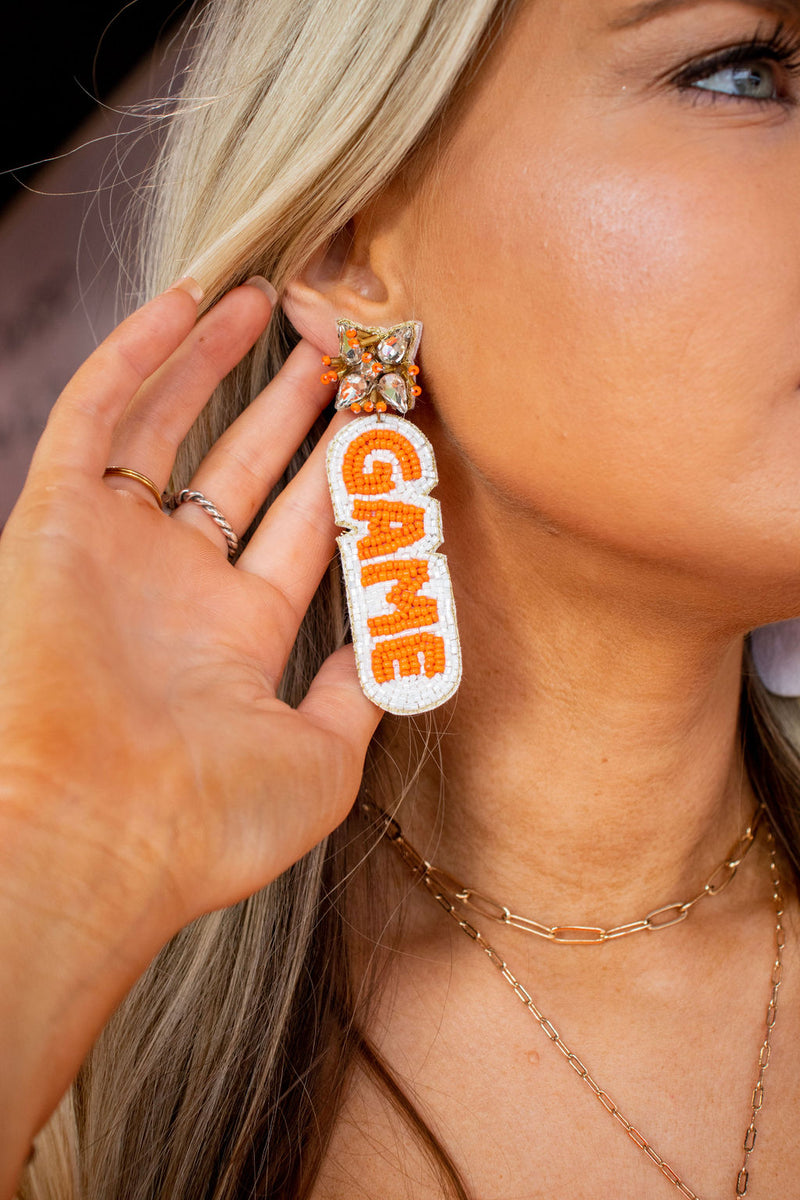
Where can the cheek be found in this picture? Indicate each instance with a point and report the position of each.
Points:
(610, 324)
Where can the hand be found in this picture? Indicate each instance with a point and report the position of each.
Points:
(148, 772)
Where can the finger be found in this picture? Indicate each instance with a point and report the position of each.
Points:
(81, 424)
(293, 545)
(336, 703)
(166, 406)
(240, 471)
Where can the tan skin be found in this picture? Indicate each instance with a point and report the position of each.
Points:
(616, 423)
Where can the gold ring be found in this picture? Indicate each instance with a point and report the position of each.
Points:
(130, 474)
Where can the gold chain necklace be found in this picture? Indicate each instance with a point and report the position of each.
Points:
(449, 896)
(573, 935)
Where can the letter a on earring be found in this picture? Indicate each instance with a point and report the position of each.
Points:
(381, 471)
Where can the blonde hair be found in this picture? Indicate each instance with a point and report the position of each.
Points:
(220, 1074)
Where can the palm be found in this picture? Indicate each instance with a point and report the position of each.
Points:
(151, 663)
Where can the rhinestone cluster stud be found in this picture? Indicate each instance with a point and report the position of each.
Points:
(375, 368)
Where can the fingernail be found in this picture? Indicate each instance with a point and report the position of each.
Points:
(263, 285)
(187, 284)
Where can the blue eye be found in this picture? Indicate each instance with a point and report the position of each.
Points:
(759, 71)
(755, 81)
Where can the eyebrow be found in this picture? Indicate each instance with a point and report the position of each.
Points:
(656, 8)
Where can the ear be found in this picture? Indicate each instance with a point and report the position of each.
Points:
(355, 275)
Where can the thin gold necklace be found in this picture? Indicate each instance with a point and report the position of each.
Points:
(572, 935)
(449, 896)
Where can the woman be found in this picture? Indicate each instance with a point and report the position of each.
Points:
(591, 208)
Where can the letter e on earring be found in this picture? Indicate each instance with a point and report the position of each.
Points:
(381, 470)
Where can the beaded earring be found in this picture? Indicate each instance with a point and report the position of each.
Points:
(381, 470)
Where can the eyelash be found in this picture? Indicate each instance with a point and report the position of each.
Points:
(782, 47)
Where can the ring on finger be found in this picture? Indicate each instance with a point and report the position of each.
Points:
(129, 473)
(185, 496)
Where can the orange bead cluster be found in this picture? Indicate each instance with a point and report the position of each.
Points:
(370, 366)
(391, 526)
(411, 609)
(405, 651)
(380, 478)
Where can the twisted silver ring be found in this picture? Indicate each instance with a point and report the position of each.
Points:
(185, 495)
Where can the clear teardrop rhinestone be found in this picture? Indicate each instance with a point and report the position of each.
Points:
(352, 389)
(392, 349)
(393, 389)
(352, 355)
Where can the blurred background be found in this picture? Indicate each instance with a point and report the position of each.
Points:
(73, 150)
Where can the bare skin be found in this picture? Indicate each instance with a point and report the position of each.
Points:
(616, 419)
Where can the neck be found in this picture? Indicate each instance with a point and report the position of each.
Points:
(591, 763)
